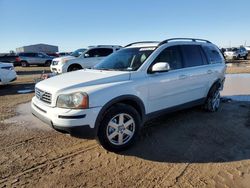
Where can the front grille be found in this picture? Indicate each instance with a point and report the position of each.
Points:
(54, 62)
(43, 95)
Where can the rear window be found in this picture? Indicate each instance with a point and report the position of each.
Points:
(192, 55)
(213, 54)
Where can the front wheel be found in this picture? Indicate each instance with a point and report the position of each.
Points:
(213, 100)
(74, 67)
(245, 57)
(119, 128)
(24, 64)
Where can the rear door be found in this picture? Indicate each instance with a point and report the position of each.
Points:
(196, 72)
(40, 58)
(31, 58)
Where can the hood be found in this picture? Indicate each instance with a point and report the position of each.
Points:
(64, 58)
(81, 78)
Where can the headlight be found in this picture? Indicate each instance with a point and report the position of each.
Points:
(77, 100)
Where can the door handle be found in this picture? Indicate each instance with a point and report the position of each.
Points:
(209, 71)
(183, 76)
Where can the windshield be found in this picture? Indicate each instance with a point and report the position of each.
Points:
(77, 53)
(128, 59)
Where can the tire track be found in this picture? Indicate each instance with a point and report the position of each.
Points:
(23, 142)
(49, 162)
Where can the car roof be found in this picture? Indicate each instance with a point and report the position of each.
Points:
(178, 41)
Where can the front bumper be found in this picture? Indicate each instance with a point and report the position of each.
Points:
(79, 123)
(58, 69)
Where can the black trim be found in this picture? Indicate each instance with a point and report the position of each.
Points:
(72, 117)
(82, 131)
(44, 111)
(175, 108)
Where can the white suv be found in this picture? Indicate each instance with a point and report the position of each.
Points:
(142, 80)
(88, 59)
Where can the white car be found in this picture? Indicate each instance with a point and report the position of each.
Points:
(88, 59)
(235, 53)
(63, 59)
(7, 73)
(139, 82)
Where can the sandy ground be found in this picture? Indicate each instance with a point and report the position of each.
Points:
(190, 148)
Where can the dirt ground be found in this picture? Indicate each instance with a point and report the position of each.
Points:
(190, 148)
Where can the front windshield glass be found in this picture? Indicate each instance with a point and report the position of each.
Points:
(77, 53)
(128, 59)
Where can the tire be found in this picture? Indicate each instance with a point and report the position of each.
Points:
(245, 57)
(74, 67)
(117, 136)
(24, 64)
(47, 63)
(212, 103)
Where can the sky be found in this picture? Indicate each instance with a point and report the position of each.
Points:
(73, 24)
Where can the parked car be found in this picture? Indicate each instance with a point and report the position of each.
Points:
(139, 82)
(88, 59)
(236, 53)
(34, 58)
(7, 73)
(11, 58)
(64, 59)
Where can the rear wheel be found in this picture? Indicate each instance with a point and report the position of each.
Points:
(74, 67)
(213, 99)
(24, 63)
(119, 128)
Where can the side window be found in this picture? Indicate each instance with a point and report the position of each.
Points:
(99, 52)
(90, 53)
(192, 55)
(40, 55)
(102, 52)
(213, 54)
(172, 56)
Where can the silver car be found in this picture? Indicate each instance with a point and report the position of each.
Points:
(34, 58)
(236, 53)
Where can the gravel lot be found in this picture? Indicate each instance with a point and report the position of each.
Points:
(190, 148)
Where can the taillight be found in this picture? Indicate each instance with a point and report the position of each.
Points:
(18, 59)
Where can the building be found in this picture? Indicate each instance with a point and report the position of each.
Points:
(46, 48)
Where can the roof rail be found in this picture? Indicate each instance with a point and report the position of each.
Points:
(103, 45)
(141, 42)
(191, 39)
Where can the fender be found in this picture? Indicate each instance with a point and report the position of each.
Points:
(126, 99)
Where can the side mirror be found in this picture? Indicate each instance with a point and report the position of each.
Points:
(160, 67)
(86, 55)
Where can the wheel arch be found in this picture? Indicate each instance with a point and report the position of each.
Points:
(216, 83)
(74, 64)
(131, 100)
